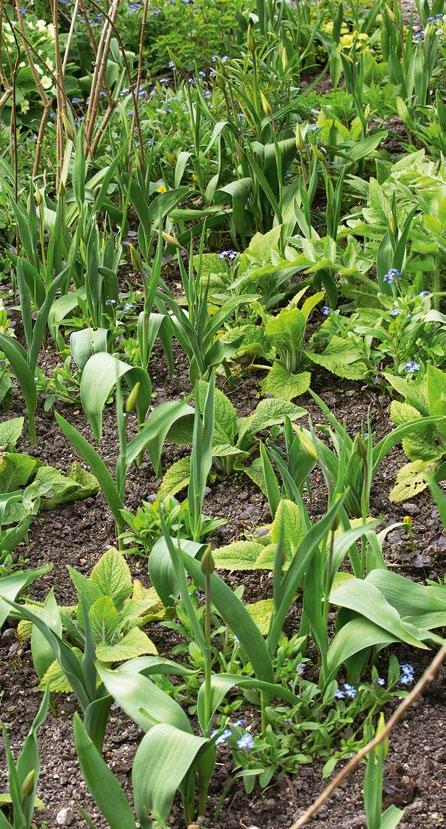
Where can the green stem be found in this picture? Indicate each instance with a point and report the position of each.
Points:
(207, 655)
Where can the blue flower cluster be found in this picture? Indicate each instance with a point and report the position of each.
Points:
(391, 276)
(407, 674)
(346, 692)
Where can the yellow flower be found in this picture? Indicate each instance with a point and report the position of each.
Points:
(24, 106)
(407, 521)
(161, 189)
(46, 82)
(346, 41)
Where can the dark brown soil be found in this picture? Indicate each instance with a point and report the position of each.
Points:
(77, 534)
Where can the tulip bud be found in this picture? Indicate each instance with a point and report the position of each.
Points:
(132, 398)
(307, 445)
(283, 57)
(28, 783)
(67, 126)
(300, 143)
(170, 239)
(135, 259)
(266, 106)
(250, 42)
(38, 196)
(207, 562)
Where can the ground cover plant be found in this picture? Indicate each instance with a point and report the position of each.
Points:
(222, 412)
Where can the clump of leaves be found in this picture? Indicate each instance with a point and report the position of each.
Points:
(426, 447)
(111, 606)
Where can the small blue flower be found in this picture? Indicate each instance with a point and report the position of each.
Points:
(239, 723)
(350, 691)
(171, 64)
(228, 254)
(123, 92)
(424, 294)
(128, 307)
(164, 81)
(412, 366)
(300, 667)
(419, 36)
(110, 302)
(396, 312)
(391, 275)
(207, 93)
(225, 58)
(76, 100)
(380, 681)
(224, 736)
(326, 310)
(339, 694)
(407, 674)
(246, 742)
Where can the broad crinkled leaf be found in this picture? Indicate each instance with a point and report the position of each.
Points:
(239, 555)
(15, 470)
(269, 412)
(436, 394)
(288, 520)
(283, 384)
(10, 431)
(55, 679)
(175, 478)
(261, 613)
(104, 620)
(134, 643)
(411, 480)
(54, 488)
(225, 414)
(112, 576)
(343, 358)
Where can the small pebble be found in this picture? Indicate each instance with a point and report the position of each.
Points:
(65, 817)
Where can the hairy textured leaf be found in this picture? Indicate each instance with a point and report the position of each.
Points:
(283, 384)
(134, 643)
(112, 576)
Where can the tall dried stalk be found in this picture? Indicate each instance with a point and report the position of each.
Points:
(60, 96)
(46, 101)
(99, 72)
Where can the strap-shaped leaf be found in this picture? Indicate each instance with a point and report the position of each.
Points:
(99, 378)
(164, 757)
(101, 782)
(142, 700)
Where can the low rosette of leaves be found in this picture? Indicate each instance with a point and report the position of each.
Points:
(426, 447)
(112, 606)
(235, 438)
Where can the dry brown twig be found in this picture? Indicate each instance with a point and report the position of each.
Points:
(352, 764)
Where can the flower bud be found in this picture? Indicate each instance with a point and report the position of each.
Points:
(170, 239)
(207, 562)
(132, 398)
(135, 259)
(28, 783)
(38, 196)
(67, 126)
(250, 42)
(307, 445)
(266, 106)
(283, 57)
(300, 143)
